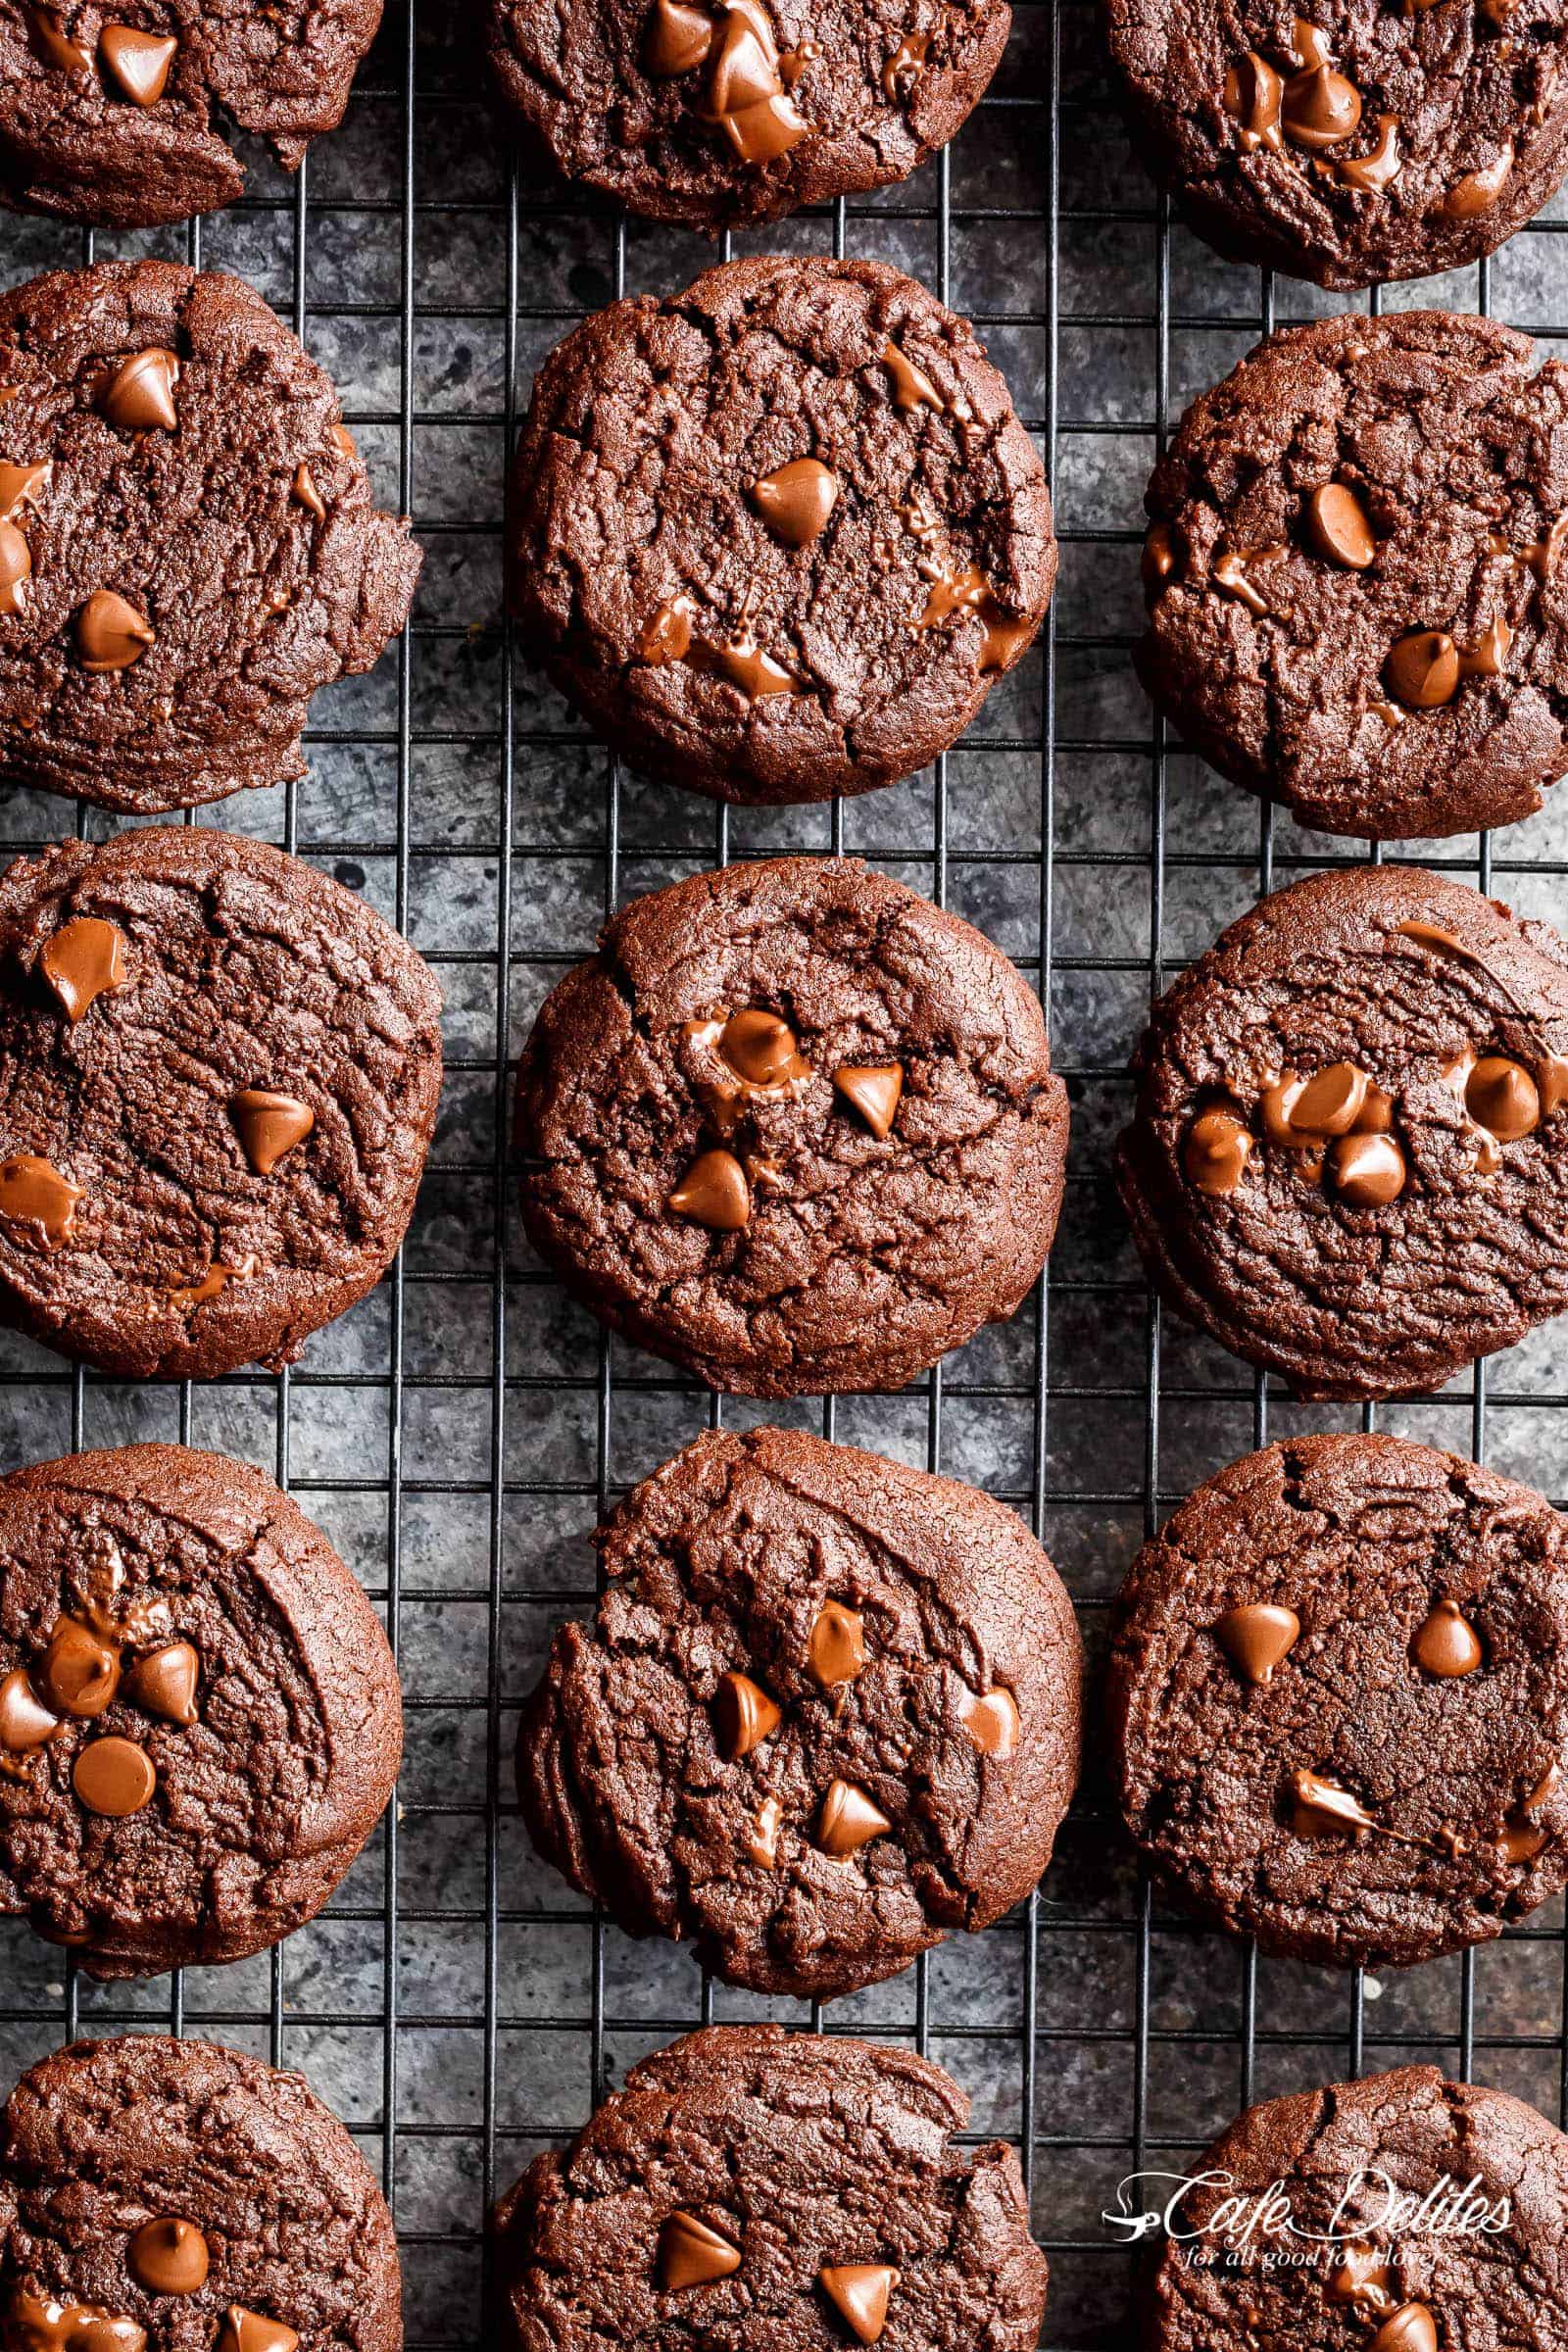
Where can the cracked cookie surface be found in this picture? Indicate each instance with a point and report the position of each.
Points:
(777, 536)
(781, 1618)
(826, 1193)
(176, 1604)
(188, 548)
(753, 2187)
(1337, 1697)
(1349, 1157)
(165, 2195)
(219, 1076)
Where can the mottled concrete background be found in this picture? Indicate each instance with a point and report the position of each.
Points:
(476, 1478)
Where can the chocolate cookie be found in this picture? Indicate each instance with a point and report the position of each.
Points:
(157, 2196)
(776, 536)
(1348, 1160)
(1363, 147)
(826, 1710)
(752, 2187)
(219, 1075)
(1402, 2212)
(187, 544)
(122, 114)
(734, 110)
(1338, 1697)
(200, 1721)
(1358, 597)
(794, 1128)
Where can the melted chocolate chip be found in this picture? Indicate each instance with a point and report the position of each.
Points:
(849, 1820)
(744, 1716)
(991, 1721)
(713, 1192)
(836, 1651)
(81, 1671)
(26, 1723)
(111, 634)
(1216, 1152)
(1445, 1643)
(1257, 1637)
(859, 2291)
(35, 1195)
(875, 1092)
(1367, 1170)
(249, 2331)
(1338, 528)
(164, 1682)
(691, 2254)
(169, 2257)
(794, 500)
(138, 62)
(139, 395)
(270, 1125)
(84, 960)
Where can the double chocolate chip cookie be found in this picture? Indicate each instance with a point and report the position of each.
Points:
(777, 536)
(739, 110)
(1348, 1160)
(749, 2186)
(1354, 145)
(200, 1721)
(1356, 574)
(794, 1128)
(219, 1074)
(1397, 2214)
(826, 1710)
(121, 112)
(158, 2197)
(187, 544)
(1339, 1700)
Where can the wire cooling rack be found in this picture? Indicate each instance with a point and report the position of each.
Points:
(457, 1433)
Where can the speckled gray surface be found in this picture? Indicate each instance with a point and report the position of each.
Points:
(398, 1431)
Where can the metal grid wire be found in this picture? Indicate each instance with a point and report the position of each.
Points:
(455, 2003)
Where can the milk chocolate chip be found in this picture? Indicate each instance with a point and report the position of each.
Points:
(794, 500)
(169, 2257)
(138, 62)
(744, 1716)
(114, 1777)
(1258, 1636)
(713, 1192)
(691, 2254)
(1422, 670)
(875, 1092)
(84, 960)
(140, 394)
(849, 1820)
(1338, 528)
(111, 634)
(859, 2291)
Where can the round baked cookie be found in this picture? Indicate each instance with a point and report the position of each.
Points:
(122, 114)
(776, 536)
(1338, 1697)
(158, 2195)
(187, 544)
(827, 1709)
(1402, 2212)
(219, 1074)
(740, 110)
(200, 1720)
(1349, 1159)
(1352, 146)
(794, 1128)
(751, 2186)
(1357, 579)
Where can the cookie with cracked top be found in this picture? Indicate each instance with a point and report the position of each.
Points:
(794, 1128)
(156, 2195)
(122, 114)
(826, 1710)
(200, 1719)
(1421, 2212)
(1354, 145)
(777, 536)
(741, 110)
(1338, 1701)
(188, 547)
(1357, 574)
(1348, 1156)
(748, 2178)
(219, 1076)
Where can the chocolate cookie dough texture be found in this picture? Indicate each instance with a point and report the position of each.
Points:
(1354, 145)
(122, 116)
(1347, 2161)
(1338, 1701)
(1349, 1157)
(746, 2178)
(188, 548)
(778, 536)
(826, 1711)
(1357, 574)
(715, 112)
(200, 1720)
(219, 1076)
(794, 1128)
(157, 2195)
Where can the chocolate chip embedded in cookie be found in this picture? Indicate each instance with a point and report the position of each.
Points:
(158, 2195)
(1357, 576)
(219, 1074)
(825, 1712)
(777, 536)
(1348, 1160)
(188, 547)
(744, 2168)
(200, 1721)
(707, 1164)
(1338, 1701)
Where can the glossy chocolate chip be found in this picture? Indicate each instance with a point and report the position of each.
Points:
(875, 1092)
(691, 2254)
(1422, 670)
(111, 634)
(270, 1125)
(81, 1671)
(83, 960)
(859, 2291)
(1368, 1170)
(849, 1820)
(169, 2257)
(1258, 1636)
(1338, 528)
(164, 1682)
(140, 394)
(796, 500)
(115, 1778)
(713, 1192)
(744, 1716)
(138, 61)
